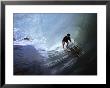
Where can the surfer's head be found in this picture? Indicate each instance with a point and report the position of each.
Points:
(68, 34)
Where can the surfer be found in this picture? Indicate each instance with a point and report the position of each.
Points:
(26, 38)
(65, 40)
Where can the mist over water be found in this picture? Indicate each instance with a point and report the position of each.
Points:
(48, 29)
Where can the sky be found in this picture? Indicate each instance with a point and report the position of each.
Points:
(50, 28)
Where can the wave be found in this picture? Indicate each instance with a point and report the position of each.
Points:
(31, 59)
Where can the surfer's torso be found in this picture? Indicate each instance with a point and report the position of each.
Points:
(66, 38)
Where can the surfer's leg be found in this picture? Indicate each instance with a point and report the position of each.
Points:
(67, 44)
(63, 43)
